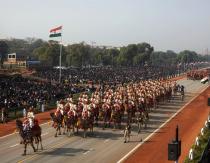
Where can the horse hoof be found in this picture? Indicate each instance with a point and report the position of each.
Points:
(124, 141)
(55, 135)
(23, 154)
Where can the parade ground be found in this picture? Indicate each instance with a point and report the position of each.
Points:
(107, 145)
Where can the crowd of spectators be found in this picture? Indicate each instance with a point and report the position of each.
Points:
(105, 74)
(19, 92)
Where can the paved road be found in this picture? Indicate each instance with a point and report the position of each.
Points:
(105, 146)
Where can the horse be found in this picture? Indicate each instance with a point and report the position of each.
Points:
(85, 123)
(130, 109)
(57, 122)
(95, 112)
(116, 117)
(30, 135)
(65, 119)
(71, 122)
(105, 114)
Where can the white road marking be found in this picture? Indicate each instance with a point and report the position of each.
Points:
(138, 145)
(86, 152)
(14, 145)
(106, 140)
(91, 149)
(45, 134)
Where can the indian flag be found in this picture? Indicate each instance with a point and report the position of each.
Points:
(55, 32)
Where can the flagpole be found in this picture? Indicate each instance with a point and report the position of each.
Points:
(60, 56)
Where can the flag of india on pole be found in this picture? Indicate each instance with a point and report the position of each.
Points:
(56, 32)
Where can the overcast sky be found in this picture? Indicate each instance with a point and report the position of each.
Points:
(165, 24)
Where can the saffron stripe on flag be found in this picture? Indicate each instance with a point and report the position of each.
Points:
(56, 29)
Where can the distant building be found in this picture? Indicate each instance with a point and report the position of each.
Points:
(19, 61)
(15, 61)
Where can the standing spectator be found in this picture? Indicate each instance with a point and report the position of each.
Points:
(24, 112)
(3, 115)
(43, 106)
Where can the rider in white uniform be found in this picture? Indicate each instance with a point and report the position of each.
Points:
(31, 117)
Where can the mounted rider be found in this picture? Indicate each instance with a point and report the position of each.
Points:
(26, 124)
(86, 112)
(58, 112)
(31, 117)
(72, 111)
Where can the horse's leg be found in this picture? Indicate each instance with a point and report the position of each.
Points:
(96, 119)
(25, 146)
(109, 121)
(37, 142)
(139, 127)
(32, 144)
(77, 129)
(84, 133)
(104, 124)
(56, 132)
(59, 129)
(145, 124)
(73, 128)
(64, 129)
(128, 136)
(40, 139)
(68, 131)
(125, 136)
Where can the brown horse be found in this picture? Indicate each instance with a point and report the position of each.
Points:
(116, 117)
(95, 112)
(85, 123)
(71, 122)
(105, 115)
(130, 110)
(57, 123)
(30, 135)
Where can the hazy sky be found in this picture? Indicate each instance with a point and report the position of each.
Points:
(165, 24)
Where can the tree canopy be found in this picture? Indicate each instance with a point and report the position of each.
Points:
(81, 54)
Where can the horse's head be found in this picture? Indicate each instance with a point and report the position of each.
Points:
(19, 124)
(52, 115)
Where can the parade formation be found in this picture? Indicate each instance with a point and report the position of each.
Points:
(112, 106)
(116, 107)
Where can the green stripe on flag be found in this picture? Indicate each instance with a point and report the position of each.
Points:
(55, 35)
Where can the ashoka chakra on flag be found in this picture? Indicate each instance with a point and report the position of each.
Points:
(55, 32)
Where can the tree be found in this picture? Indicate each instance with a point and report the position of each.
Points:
(78, 55)
(187, 56)
(3, 51)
